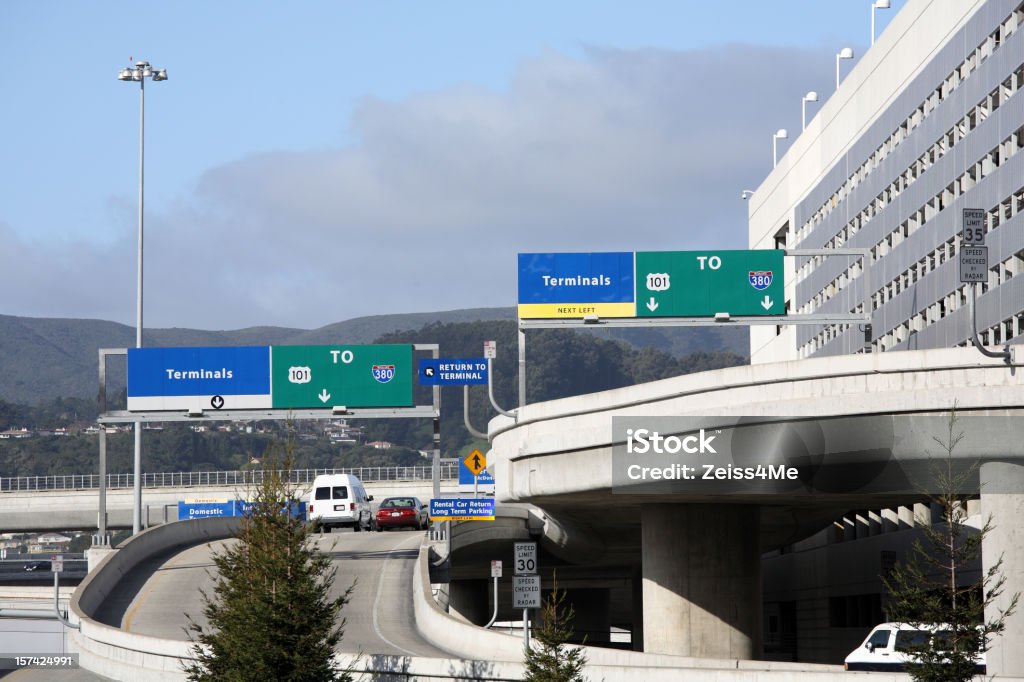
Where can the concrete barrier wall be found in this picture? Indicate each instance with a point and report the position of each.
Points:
(79, 509)
(479, 654)
(503, 654)
(120, 655)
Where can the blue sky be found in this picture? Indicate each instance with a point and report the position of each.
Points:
(315, 161)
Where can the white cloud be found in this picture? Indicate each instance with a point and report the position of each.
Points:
(622, 150)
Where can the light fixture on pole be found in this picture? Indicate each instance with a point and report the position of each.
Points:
(780, 134)
(746, 194)
(845, 53)
(811, 96)
(880, 4)
(140, 72)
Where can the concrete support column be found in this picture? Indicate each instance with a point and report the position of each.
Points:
(1002, 499)
(469, 599)
(702, 580)
(637, 630)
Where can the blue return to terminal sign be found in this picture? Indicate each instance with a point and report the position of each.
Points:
(202, 378)
(453, 371)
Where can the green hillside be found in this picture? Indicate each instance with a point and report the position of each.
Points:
(42, 358)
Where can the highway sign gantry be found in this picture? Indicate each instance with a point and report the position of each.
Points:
(706, 283)
(649, 284)
(270, 377)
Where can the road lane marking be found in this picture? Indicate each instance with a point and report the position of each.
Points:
(126, 622)
(380, 590)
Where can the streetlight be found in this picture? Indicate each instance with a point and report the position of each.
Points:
(746, 194)
(811, 96)
(140, 72)
(781, 134)
(880, 4)
(845, 53)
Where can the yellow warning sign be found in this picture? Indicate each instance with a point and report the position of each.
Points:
(475, 462)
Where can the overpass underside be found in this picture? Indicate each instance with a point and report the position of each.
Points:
(683, 557)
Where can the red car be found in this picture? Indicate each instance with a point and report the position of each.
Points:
(402, 512)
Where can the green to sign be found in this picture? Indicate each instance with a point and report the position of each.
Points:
(704, 283)
(353, 376)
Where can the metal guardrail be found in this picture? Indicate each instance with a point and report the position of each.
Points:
(188, 479)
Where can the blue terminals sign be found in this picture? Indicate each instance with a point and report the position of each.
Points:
(576, 285)
(199, 378)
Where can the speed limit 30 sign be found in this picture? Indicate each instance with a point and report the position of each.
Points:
(525, 558)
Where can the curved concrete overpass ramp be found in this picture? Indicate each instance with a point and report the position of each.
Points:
(695, 549)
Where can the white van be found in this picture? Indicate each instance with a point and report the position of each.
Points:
(886, 648)
(339, 500)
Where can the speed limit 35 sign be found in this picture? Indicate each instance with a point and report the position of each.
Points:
(973, 232)
(525, 558)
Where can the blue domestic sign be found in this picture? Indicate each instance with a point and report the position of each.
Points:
(453, 371)
(204, 510)
(201, 509)
(462, 509)
(576, 285)
(199, 378)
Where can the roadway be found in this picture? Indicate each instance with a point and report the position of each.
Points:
(158, 594)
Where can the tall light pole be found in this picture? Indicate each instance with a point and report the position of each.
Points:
(845, 53)
(781, 134)
(880, 4)
(140, 72)
(811, 96)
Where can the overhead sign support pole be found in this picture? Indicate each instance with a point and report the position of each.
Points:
(102, 538)
(522, 366)
(436, 395)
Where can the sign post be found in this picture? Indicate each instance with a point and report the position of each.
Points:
(495, 574)
(525, 583)
(476, 462)
(973, 252)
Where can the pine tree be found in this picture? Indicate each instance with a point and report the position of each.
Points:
(270, 616)
(552, 660)
(924, 589)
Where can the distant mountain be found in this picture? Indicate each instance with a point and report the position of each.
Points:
(45, 358)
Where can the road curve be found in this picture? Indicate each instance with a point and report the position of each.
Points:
(379, 616)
